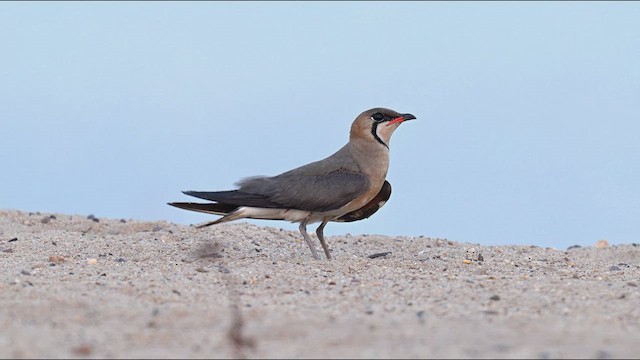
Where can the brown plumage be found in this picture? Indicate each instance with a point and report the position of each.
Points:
(347, 186)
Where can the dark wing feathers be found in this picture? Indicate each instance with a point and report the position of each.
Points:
(235, 197)
(311, 192)
(371, 207)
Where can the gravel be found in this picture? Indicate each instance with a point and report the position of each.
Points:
(78, 286)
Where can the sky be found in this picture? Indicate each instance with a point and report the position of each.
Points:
(528, 112)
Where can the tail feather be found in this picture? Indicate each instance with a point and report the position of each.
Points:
(228, 210)
(210, 208)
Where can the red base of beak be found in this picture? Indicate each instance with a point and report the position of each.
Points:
(396, 120)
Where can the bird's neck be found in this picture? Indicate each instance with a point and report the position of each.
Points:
(372, 158)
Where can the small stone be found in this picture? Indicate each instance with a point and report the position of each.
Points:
(495, 298)
(381, 254)
(56, 259)
(25, 272)
(82, 350)
(601, 244)
(603, 354)
(481, 271)
(480, 257)
(466, 261)
(614, 268)
(120, 260)
(8, 250)
(92, 261)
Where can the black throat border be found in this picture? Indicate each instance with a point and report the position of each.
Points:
(374, 132)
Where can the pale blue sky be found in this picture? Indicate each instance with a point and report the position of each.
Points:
(528, 112)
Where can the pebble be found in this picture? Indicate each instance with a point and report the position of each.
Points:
(92, 261)
(82, 350)
(601, 244)
(377, 255)
(56, 259)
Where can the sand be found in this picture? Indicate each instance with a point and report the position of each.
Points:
(82, 287)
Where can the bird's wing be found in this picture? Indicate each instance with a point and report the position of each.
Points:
(371, 207)
(309, 191)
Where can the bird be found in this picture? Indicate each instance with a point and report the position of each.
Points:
(349, 185)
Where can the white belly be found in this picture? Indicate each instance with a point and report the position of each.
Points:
(272, 214)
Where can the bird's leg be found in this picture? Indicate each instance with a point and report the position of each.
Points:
(320, 234)
(303, 231)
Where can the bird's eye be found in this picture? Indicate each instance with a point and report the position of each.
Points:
(377, 117)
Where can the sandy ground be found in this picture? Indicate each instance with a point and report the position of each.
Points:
(73, 286)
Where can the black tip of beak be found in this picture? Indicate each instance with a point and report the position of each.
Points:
(408, 117)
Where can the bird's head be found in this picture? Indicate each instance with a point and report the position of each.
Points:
(377, 125)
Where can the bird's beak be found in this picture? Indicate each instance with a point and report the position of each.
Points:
(400, 119)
